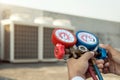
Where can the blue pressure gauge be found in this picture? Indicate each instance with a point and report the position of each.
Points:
(87, 39)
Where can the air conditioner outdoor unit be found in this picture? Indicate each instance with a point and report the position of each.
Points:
(19, 41)
(27, 42)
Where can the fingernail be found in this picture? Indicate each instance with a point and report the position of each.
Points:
(101, 44)
(92, 53)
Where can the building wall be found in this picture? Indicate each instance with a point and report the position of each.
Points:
(107, 31)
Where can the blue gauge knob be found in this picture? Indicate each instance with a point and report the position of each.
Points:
(102, 53)
(87, 39)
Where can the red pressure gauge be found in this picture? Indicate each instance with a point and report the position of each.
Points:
(62, 39)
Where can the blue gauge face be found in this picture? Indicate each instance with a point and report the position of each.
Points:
(87, 38)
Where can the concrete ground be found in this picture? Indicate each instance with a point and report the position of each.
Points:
(39, 71)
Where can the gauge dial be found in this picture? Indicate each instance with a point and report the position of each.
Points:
(64, 37)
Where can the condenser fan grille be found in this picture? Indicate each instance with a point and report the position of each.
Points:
(25, 42)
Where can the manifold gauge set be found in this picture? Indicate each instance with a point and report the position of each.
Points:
(74, 45)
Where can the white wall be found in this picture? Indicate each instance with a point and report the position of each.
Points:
(7, 10)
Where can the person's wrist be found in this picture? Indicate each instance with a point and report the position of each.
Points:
(77, 78)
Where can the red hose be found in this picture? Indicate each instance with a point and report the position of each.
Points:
(93, 75)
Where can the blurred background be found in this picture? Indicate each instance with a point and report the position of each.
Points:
(26, 27)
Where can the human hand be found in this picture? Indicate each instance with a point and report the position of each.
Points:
(112, 65)
(78, 67)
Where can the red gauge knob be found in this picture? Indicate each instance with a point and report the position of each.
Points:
(59, 51)
(64, 37)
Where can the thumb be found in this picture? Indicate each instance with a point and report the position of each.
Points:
(107, 46)
(111, 51)
(87, 55)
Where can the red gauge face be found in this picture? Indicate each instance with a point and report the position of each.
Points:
(64, 37)
(87, 38)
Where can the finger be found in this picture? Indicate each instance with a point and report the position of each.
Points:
(100, 66)
(87, 55)
(100, 61)
(107, 64)
(107, 46)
